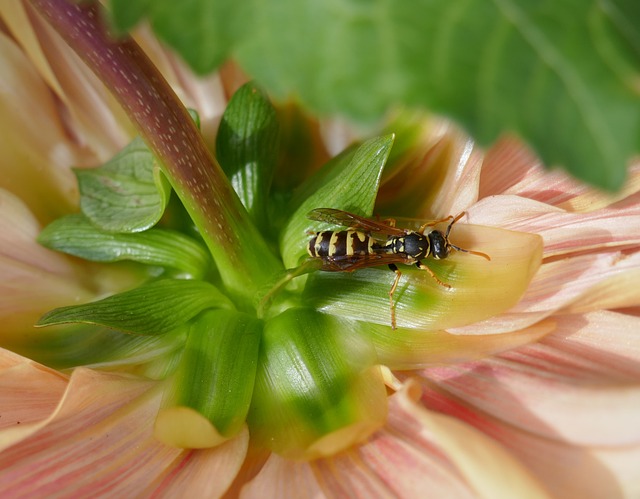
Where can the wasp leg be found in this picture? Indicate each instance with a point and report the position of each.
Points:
(391, 291)
(420, 265)
(434, 222)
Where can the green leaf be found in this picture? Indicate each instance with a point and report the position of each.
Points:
(157, 307)
(125, 14)
(203, 32)
(75, 235)
(247, 148)
(217, 370)
(544, 70)
(126, 194)
(350, 186)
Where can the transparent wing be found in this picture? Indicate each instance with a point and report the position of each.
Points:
(346, 219)
(351, 263)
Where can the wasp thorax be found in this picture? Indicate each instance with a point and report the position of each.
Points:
(416, 245)
(439, 246)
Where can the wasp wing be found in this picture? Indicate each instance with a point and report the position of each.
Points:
(346, 219)
(354, 262)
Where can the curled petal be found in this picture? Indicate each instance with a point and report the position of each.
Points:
(413, 348)
(437, 177)
(579, 284)
(30, 393)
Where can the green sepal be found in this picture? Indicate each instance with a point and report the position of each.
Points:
(217, 369)
(74, 345)
(156, 307)
(310, 376)
(127, 194)
(247, 148)
(346, 186)
(77, 236)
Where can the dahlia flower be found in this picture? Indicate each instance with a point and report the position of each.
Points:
(520, 380)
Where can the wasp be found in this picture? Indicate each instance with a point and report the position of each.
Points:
(358, 247)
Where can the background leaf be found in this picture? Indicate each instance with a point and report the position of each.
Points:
(548, 71)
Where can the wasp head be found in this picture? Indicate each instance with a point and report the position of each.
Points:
(440, 247)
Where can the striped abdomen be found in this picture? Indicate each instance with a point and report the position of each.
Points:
(340, 243)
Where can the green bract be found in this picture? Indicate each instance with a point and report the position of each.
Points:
(127, 194)
(294, 353)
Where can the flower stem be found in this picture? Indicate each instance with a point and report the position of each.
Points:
(166, 126)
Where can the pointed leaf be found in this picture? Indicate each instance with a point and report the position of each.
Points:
(75, 235)
(156, 307)
(247, 148)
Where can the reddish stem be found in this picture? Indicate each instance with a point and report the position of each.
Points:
(167, 128)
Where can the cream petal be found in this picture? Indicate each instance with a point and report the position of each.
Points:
(96, 120)
(34, 153)
(33, 279)
(459, 189)
(413, 348)
(99, 442)
(19, 229)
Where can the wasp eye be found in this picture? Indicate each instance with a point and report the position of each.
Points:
(439, 247)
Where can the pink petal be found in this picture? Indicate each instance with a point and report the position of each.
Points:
(511, 168)
(19, 229)
(563, 232)
(560, 389)
(99, 442)
(566, 470)
(417, 451)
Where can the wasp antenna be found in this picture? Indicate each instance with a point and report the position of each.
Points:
(477, 253)
(457, 217)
